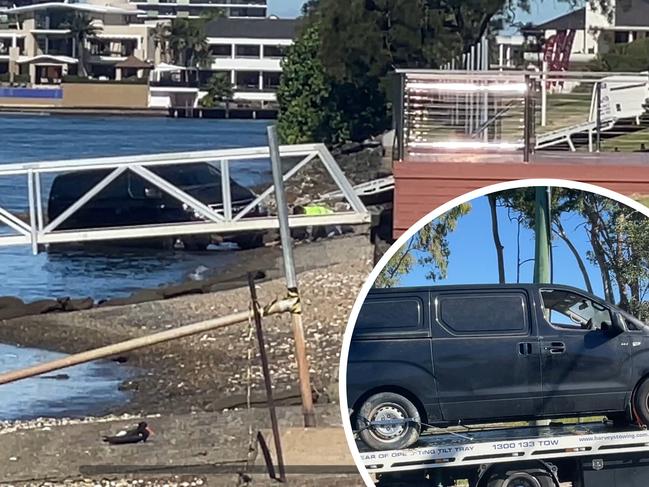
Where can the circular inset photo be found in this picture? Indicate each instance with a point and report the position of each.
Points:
(501, 342)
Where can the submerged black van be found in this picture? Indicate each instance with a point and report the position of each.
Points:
(484, 353)
(131, 200)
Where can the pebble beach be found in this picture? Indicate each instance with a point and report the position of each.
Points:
(205, 376)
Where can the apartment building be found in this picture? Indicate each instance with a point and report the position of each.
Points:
(40, 43)
(168, 9)
(249, 52)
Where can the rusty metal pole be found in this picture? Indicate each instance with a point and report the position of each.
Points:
(282, 306)
(291, 279)
(268, 381)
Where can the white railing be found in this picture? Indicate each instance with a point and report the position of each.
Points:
(206, 219)
(446, 112)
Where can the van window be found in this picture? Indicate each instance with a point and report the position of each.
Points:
(569, 310)
(483, 313)
(390, 314)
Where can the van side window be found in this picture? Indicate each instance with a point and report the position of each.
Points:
(390, 314)
(569, 310)
(483, 313)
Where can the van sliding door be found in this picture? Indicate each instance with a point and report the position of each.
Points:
(486, 355)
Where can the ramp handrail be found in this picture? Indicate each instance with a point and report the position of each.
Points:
(202, 218)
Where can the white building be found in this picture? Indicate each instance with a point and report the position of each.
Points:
(595, 31)
(249, 52)
(40, 45)
(167, 9)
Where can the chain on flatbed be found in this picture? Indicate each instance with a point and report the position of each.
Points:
(508, 445)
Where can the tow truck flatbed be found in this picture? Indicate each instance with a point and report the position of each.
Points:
(494, 446)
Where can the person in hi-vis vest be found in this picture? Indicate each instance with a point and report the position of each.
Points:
(314, 232)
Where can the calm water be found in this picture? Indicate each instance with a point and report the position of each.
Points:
(92, 388)
(102, 274)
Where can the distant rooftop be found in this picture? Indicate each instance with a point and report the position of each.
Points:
(82, 7)
(632, 13)
(575, 20)
(263, 28)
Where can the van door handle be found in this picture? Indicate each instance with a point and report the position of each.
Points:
(525, 348)
(554, 348)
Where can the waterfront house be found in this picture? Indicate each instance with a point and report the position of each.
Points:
(593, 31)
(40, 44)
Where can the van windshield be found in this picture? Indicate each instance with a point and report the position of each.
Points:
(566, 309)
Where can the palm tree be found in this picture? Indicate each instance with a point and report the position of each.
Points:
(187, 42)
(81, 29)
(211, 14)
(160, 34)
(219, 89)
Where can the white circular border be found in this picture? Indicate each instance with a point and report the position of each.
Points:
(520, 183)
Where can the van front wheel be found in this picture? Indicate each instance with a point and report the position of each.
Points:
(388, 421)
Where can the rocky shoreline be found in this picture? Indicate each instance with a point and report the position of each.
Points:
(208, 372)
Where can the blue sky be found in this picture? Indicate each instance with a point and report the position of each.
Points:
(473, 255)
(541, 10)
(285, 8)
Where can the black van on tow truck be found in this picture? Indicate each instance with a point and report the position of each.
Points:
(449, 355)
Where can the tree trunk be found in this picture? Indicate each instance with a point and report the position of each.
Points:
(600, 258)
(496, 236)
(559, 230)
(80, 54)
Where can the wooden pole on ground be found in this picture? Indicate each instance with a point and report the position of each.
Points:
(291, 280)
(282, 306)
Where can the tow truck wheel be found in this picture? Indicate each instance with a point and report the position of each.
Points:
(641, 402)
(521, 478)
(388, 407)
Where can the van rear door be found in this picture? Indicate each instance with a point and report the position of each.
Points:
(391, 349)
(486, 354)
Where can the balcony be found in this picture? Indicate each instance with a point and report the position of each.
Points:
(526, 115)
(460, 131)
(118, 53)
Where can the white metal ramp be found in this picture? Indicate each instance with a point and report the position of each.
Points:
(37, 232)
(621, 97)
(559, 136)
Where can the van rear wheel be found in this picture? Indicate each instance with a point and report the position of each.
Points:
(641, 402)
(521, 478)
(401, 422)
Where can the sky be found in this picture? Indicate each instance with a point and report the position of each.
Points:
(285, 8)
(476, 264)
(541, 10)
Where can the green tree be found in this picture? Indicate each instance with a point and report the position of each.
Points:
(308, 110)
(187, 42)
(219, 89)
(160, 36)
(630, 57)
(313, 106)
(618, 237)
(427, 248)
(522, 202)
(81, 29)
(361, 42)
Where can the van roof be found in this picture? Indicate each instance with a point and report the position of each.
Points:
(477, 287)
